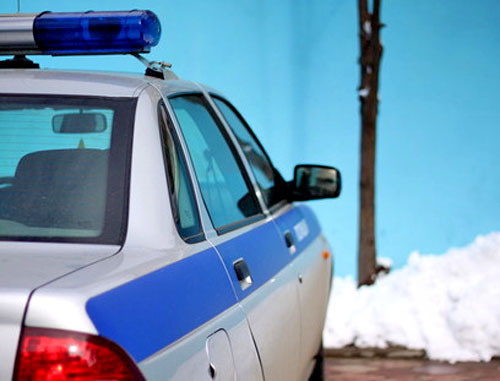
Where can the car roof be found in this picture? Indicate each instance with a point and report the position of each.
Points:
(93, 83)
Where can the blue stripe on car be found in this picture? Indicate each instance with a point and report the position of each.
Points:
(263, 250)
(300, 213)
(149, 313)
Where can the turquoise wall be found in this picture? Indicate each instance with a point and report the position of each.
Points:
(291, 68)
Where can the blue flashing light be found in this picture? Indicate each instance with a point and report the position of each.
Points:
(96, 32)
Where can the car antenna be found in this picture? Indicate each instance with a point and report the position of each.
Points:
(157, 69)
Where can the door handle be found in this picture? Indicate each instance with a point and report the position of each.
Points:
(243, 273)
(290, 242)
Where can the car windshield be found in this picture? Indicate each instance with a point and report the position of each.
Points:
(63, 174)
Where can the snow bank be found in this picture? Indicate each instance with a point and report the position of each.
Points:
(448, 305)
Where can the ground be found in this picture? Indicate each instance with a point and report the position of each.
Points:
(375, 369)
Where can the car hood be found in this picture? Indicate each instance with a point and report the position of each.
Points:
(23, 268)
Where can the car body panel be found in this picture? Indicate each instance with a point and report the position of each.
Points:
(18, 280)
(271, 302)
(313, 270)
(151, 312)
(189, 358)
(129, 270)
(12, 307)
(220, 356)
(262, 249)
(47, 262)
(148, 194)
(34, 81)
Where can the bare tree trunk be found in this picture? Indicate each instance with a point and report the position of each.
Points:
(371, 52)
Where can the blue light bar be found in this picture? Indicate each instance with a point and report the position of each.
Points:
(80, 33)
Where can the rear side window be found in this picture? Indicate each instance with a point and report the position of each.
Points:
(224, 186)
(265, 175)
(181, 192)
(62, 167)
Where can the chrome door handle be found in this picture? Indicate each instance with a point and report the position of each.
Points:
(290, 242)
(243, 273)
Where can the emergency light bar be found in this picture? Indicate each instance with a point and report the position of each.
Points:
(79, 33)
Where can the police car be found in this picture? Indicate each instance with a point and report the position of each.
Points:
(144, 232)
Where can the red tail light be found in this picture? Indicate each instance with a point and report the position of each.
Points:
(56, 355)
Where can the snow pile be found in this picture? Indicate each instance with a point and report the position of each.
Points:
(448, 305)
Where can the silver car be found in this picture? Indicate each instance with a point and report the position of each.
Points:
(145, 233)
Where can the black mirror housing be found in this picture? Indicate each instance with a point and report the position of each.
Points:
(314, 182)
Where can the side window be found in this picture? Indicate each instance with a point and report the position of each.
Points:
(181, 192)
(262, 168)
(225, 189)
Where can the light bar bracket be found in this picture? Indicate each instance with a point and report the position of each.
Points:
(157, 69)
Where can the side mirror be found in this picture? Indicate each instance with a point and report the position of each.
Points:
(79, 123)
(313, 182)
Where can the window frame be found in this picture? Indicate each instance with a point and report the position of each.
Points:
(278, 178)
(223, 229)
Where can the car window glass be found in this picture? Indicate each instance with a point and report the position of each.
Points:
(224, 188)
(261, 167)
(59, 168)
(181, 191)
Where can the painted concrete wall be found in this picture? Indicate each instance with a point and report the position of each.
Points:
(291, 68)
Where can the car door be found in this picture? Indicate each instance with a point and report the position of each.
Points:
(313, 265)
(190, 303)
(300, 233)
(247, 240)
